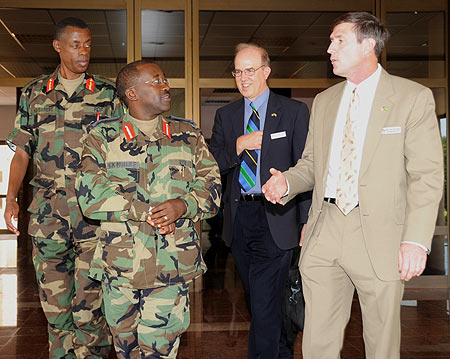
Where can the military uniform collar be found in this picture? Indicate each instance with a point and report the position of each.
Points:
(131, 131)
(53, 83)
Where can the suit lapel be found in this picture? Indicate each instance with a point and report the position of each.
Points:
(270, 122)
(381, 107)
(238, 120)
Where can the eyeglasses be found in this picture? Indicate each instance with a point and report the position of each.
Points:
(247, 72)
(158, 81)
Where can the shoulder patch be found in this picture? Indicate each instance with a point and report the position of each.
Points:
(37, 79)
(104, 79)
(104, 120)
(181, 119)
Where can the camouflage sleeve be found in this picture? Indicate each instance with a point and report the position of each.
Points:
(23, 135)
(204, 199)
(98, 196)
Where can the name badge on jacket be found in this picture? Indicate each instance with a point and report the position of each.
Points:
(391, 130)
(276, 135)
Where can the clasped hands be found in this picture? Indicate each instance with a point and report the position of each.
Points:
(164, 215)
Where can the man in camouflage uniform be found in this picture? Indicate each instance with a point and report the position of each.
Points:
(143, 175)
(54, 113)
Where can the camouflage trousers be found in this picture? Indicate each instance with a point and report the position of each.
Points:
(147, 323)
(71, 301)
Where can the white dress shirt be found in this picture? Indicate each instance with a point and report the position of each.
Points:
(366, 93)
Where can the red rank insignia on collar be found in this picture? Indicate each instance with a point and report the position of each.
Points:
(128, 130)
(166, 129)
(50, 84)
(90, 84)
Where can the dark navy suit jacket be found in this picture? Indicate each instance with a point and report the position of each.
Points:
(284, 115)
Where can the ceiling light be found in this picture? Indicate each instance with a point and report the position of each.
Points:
(6, 70)
(12, 35)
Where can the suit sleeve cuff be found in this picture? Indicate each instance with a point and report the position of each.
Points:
(417, 244)
(287, 191)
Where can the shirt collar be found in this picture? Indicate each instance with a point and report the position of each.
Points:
(369, 83)
(259, 101)
(141, 136)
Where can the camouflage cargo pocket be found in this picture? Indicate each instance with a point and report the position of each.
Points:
(117, 253)
(190, 261)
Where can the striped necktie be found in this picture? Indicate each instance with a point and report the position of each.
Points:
(247, 174)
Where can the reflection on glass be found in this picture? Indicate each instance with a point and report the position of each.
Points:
(177, 107)
(446, 258)
(417, 45)
(437, 261)
(163, 40)
(8, 251)
(30, 53)
(6, 155)
(443, 128)
(8, 300)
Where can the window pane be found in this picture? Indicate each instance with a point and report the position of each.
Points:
(35, 55)
(177, 107)
(6, 155)
(443, 209)
(163, 40)
(297, 41)
(417, 45)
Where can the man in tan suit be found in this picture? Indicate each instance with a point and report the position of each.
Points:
(374, 158)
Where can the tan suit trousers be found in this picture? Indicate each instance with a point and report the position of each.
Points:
(335, 262)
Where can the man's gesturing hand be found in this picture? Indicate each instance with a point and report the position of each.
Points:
(275, 187)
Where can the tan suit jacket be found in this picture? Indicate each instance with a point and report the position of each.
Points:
(401, 177)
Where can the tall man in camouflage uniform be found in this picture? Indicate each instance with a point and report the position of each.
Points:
(144, 175)
(54, 113)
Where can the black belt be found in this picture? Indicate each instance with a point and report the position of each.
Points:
(251, 197)
(333, 201)
(330, 200)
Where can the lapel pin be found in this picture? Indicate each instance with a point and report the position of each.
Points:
(384, 108)
(273, 114)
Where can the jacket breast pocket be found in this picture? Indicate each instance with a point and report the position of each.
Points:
(92, 113)
(181, 170)
(125, 172)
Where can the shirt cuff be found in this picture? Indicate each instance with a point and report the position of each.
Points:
(287, 191)
(417, 244)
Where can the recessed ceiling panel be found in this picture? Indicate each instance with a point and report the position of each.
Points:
(34, 30)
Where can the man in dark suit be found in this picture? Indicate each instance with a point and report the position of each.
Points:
(249, 137)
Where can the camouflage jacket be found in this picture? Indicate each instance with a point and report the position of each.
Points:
(124, 172)
(50, 127)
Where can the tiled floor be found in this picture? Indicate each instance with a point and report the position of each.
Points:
(220, 320)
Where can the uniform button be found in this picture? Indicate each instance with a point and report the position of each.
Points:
(236, 200)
